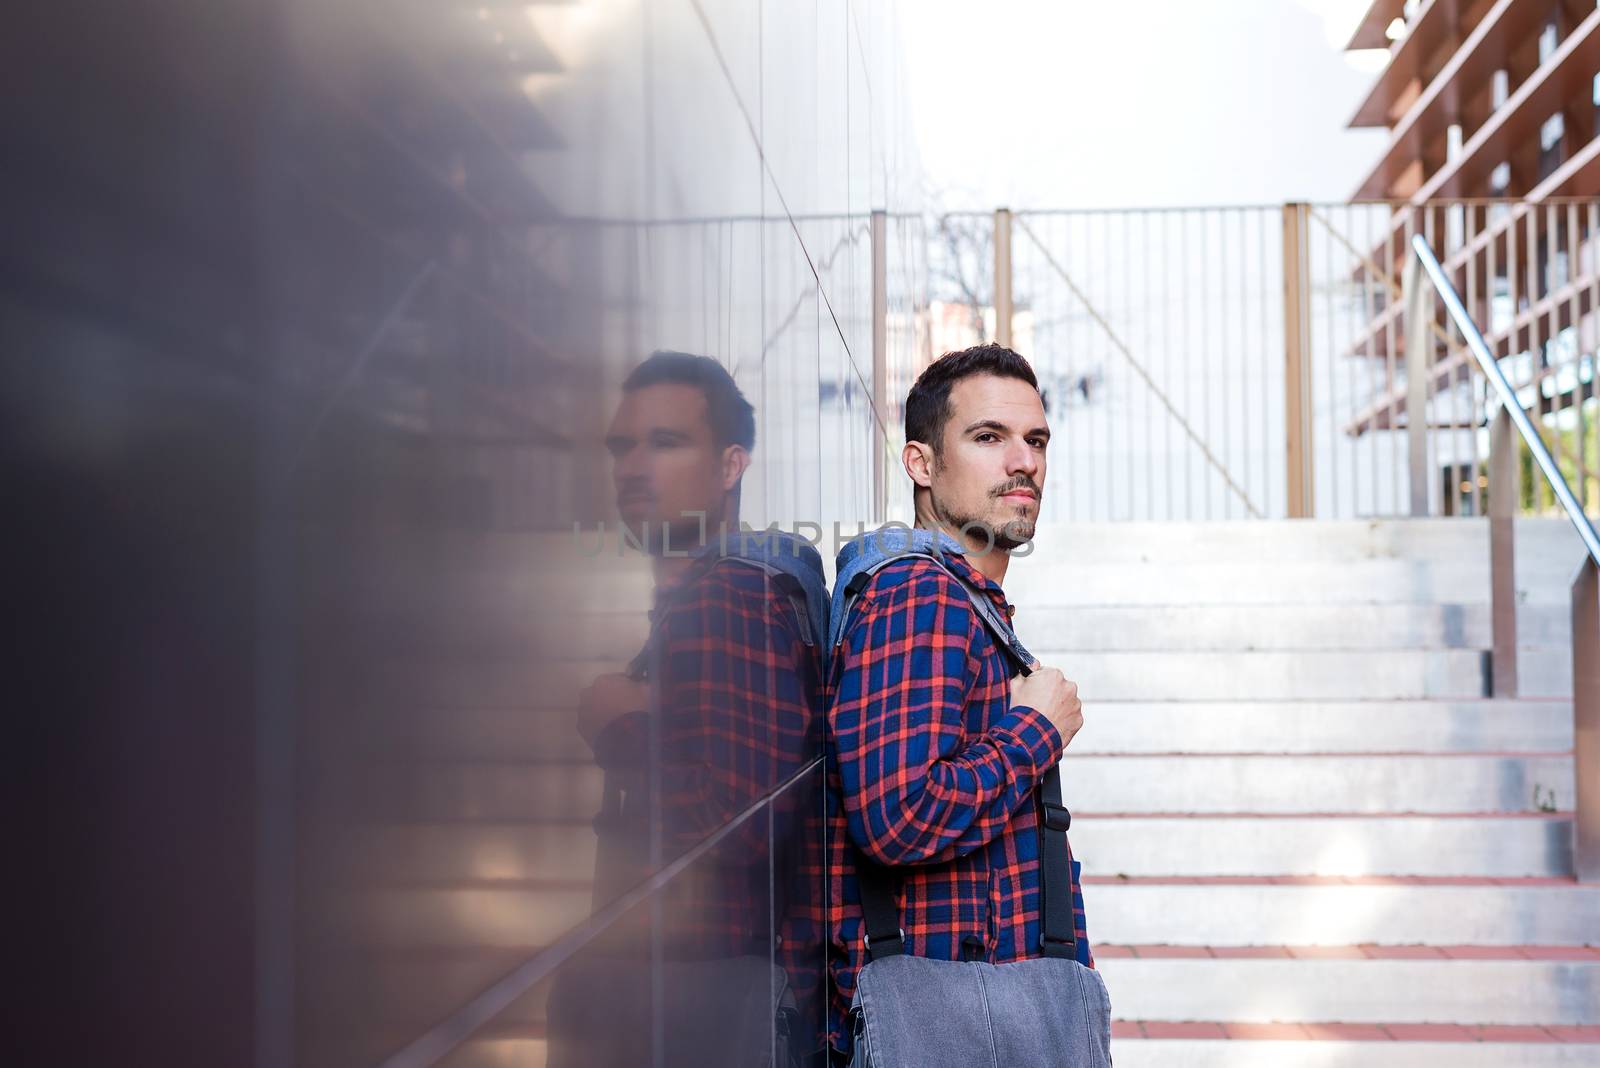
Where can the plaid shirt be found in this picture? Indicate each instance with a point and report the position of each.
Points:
(932, 769)
(736, 698)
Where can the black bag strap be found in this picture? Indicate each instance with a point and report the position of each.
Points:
(879, 883)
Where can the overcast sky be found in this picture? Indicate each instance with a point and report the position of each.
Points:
(1131, 103)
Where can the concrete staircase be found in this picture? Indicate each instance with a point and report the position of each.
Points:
(1308, 837)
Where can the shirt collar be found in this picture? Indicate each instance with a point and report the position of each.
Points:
(980, 580)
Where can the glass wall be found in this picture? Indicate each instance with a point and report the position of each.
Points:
(349, 737)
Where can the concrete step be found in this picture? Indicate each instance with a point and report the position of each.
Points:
(1447, 580)
(1489, 846)
(1136, 846)
(1236, 627)
(1467, 1051)
(1139, 783)
(1114, 676)
(1477, 992)
(1423, 726)
(1322, 541)
(529, 1052)
(545, 733)
(1034, 584)
(1333, 913)
(1307, 783)
(1545, 671)
(1146, 676)
(1291, 574)
(1273, 676)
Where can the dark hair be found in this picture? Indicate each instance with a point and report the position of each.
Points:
(732, 418)
(928, 405)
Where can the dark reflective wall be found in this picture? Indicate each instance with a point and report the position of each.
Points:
(335, 739)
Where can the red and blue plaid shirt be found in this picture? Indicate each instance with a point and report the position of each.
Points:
(931, 769)
(735, 711)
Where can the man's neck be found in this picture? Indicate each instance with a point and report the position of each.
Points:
(990, 561)
(667, 571)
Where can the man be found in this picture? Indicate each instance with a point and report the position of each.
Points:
(935, 750)
(720, 709)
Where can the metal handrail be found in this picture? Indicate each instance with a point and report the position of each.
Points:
(1508, 396)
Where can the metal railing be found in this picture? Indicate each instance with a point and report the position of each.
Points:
(1585, 584)
(1529, 273)
(1258, 361)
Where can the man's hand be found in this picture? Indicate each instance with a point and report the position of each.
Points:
(606, 699)
(1054, 695)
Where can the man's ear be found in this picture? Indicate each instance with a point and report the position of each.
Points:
(918, 459)
(735, 462)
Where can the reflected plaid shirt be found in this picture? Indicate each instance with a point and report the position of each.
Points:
(736, 704)
(932, 769)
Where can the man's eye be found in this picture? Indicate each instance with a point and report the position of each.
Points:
(986, 437)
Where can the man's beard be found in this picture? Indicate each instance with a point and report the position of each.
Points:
(1008, 536)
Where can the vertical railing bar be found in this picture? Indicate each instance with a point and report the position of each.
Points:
(1372, 357)
(1145, 340)
(1575, 315)
(1241, 217)
(1347, 223)
(1264, 296)
(1114, 483)
(1416, 394)
(1205, 341)
(1468, 429)
(1391, 379)
(1166, 343)
(1552, 368)
(1222, 351)
(1492, 285)
(1533, 334)
(1552, 371)
(1434, 221)
(1062, 228)
(1514, 280)
(1124, 248)
(1594, 352)
(1331, 358)
(1188, 359)
(1104, 301)
(1092, 397)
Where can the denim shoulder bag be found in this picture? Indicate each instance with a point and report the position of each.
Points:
(913, 1012)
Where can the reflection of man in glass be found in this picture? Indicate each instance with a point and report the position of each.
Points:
(718, 711)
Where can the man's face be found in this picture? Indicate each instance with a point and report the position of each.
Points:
(991, 464)
(665, 462)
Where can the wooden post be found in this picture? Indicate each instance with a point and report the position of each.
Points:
(1586, 720)
(1002, 276)
(1297, 365)
(1504, 492)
